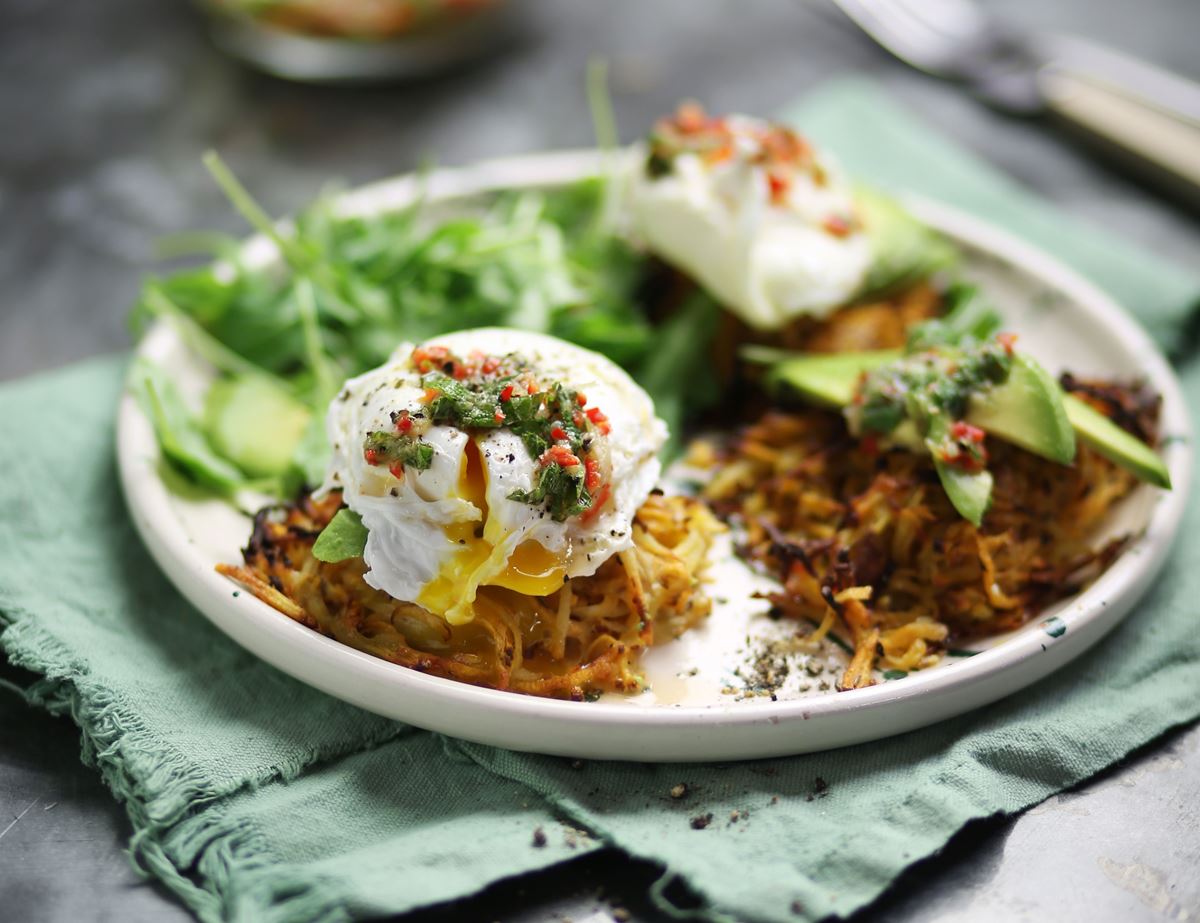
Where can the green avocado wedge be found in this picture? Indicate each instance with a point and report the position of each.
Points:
(903, 250)
(828, 380)
(1115, 444)
(254, 423)
(1029, 410)
(969, 491)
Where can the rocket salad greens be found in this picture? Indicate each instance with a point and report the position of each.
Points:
(344, 291)
(285, 335)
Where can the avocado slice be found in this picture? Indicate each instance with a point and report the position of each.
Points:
(1115, 444)
(969, 491)
(903, 250)
(1027, 410)
(254, 423)
(828, 380)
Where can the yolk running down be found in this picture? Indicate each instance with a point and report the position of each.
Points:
(531, 569)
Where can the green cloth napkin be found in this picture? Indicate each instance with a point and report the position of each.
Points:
(255, 798)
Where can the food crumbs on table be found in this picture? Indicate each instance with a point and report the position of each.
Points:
(700, 821)
(539, 837)
(679, 791)
(820, 786)
(774, 799)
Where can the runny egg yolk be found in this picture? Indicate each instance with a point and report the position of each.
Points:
(531, 569)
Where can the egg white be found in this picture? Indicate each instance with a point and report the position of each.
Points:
(429, 540)
(768, 263)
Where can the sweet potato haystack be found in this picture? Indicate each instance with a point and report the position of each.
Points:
(868, 541)
(580, 641)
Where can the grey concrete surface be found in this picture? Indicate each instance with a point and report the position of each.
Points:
(104, 109)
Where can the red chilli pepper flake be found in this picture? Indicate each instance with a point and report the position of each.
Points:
(779, 186)
(964, 430)
(558, 433)
(598, 502)
(499, 416)
(562, 456)
(837, 226)
(507, 393)
(372, 456)
(1008, 341)
(397, 470)
(690, 117)
(404, 422)
(580, 398)
(591, 478)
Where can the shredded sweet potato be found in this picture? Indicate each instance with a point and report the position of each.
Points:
(582, 640)
(869, 541)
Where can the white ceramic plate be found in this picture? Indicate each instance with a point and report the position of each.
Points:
(704, 702)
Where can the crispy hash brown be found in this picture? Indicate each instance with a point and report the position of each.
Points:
(869, 542)
(580, 641)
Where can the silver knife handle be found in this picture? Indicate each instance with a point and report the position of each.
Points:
(1149, 118)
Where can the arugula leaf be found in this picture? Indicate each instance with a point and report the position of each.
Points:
(969, 318)
(347, 289)
(345, 537)
(679, 376)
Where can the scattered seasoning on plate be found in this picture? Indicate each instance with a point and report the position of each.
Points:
(679, 791)
(539, 837)
(820, 789)
(700, 821)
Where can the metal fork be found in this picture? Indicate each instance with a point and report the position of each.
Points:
(1148, 117)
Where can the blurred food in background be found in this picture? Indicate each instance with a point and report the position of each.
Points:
(331, 41)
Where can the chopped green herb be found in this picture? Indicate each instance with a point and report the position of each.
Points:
(398, 449)
(561, 490)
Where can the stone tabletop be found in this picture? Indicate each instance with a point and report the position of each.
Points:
(104, 110)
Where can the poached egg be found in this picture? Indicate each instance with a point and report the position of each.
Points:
(751, 211)
(450, 506)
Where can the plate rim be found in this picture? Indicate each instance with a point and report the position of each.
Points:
(1120, 586)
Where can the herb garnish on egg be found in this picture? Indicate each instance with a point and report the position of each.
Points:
(485, 392)
(482, 461)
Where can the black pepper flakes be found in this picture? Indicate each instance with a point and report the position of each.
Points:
(700, 821)
(539, 837)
